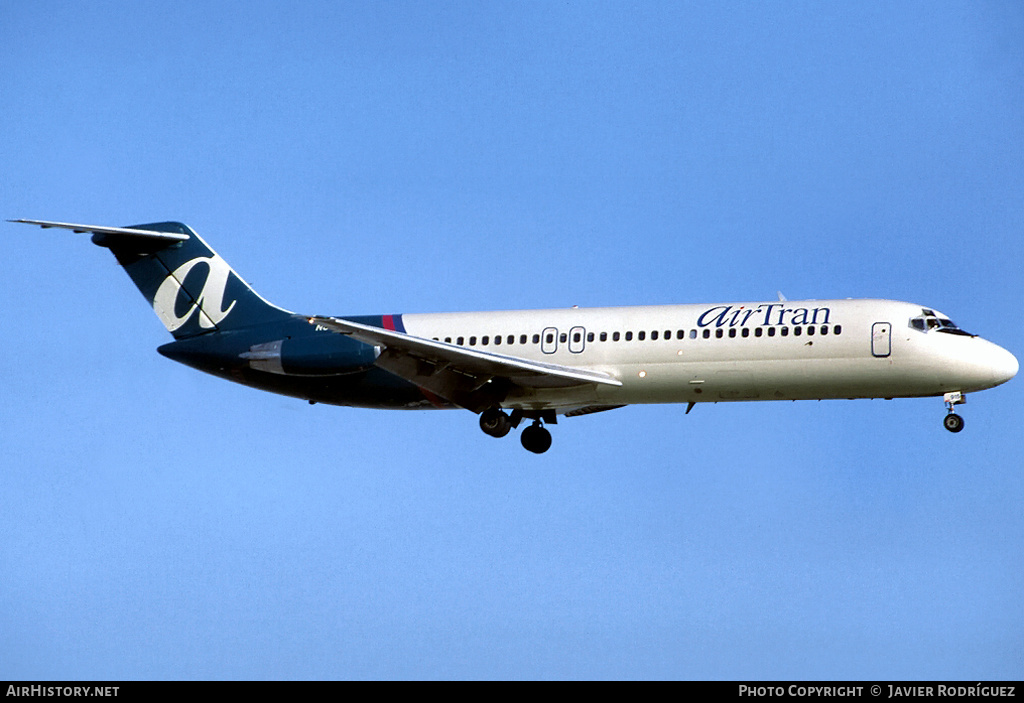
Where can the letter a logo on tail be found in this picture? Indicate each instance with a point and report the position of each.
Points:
(209, 302)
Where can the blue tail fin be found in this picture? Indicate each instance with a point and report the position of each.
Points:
(191, 288)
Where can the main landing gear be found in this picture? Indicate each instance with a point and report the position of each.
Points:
(495, 423)
(952, 421)
(534, 438)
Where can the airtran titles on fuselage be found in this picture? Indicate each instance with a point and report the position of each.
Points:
(763, 314)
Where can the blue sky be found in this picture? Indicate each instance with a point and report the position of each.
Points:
(351, 158)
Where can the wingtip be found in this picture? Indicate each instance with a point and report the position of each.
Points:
(40, 223)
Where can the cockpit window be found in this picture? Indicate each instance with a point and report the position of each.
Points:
(947, 325)
(929, 320)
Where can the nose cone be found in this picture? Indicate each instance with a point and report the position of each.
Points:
(1003, 366)
(978, 364)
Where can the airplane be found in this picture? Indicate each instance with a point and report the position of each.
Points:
(535, 365)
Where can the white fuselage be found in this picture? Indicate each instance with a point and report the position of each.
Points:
(786, 350)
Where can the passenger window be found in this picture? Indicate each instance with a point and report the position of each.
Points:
(549, 338)
(746, 332)
(824, 329)
(615, 336)
(838, 329)
(784, 332)
(693, 334)
(472, 341)
(640, 335)
(590, 336)
(810, 330)
(497, 339)
(562, 337)
(522, 339)
(654, 336)
(448, 340)
(797, 331)
(604, 336)
(485, 340)
(758, 331)
(536, 339)
(512, 339)
(732, 332)
(668, 335)
(707, 334)
(629, 336)
(576, 337)
(719, 334)
(771, 331)
(680, 334)
(461, 341)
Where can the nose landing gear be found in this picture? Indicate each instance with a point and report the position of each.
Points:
(952, 421)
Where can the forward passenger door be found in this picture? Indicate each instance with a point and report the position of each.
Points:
(881, 339)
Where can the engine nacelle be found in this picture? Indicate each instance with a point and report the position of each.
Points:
(316, 355)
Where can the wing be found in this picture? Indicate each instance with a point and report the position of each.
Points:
(470, 378)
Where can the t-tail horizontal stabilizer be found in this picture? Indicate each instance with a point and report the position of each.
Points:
(128, 232)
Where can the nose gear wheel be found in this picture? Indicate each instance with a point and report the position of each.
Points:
(952, 421)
